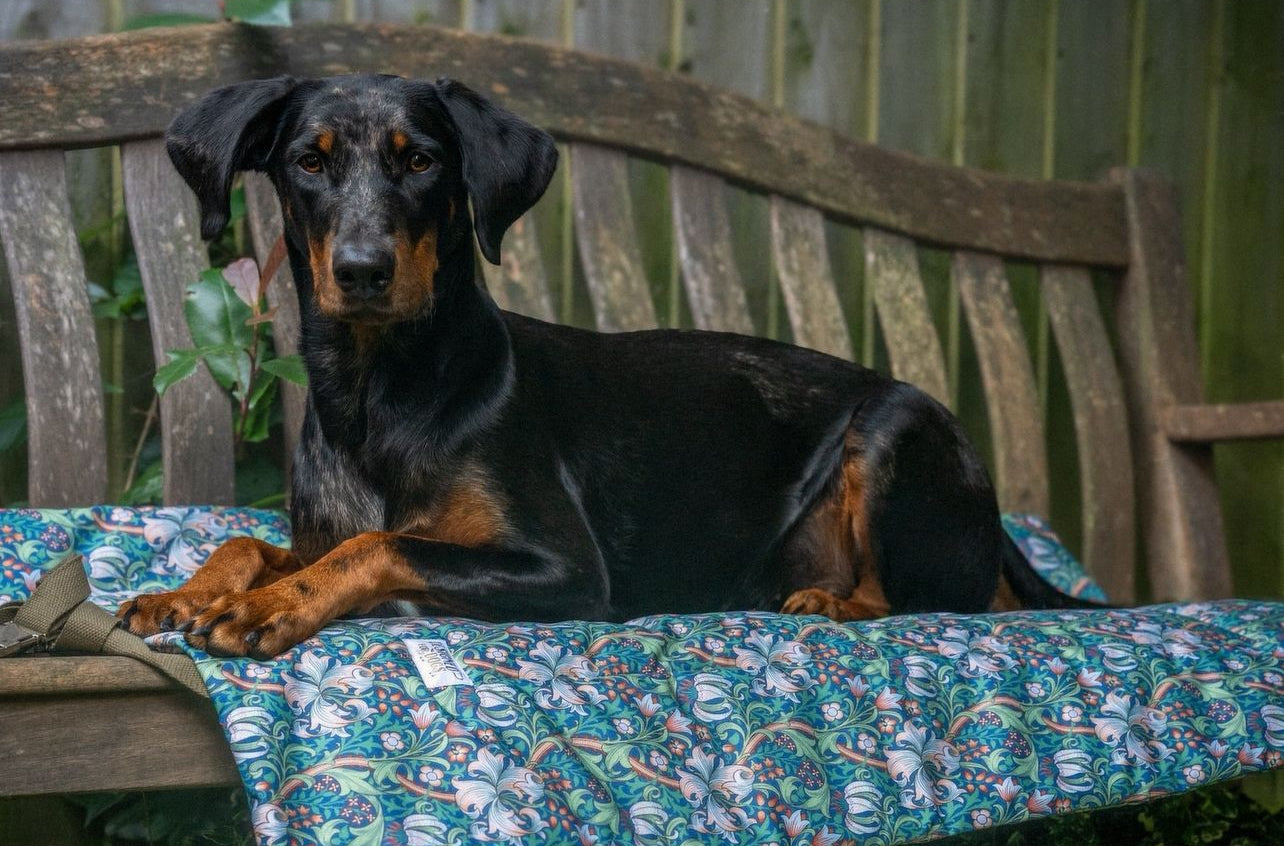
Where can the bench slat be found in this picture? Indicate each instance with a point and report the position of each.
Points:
(1011, 397)
(1101, 428)
(263, 212)
(709, 273)
(1185, 537)
(1233, 421)
(117, 741)
(109, 88)
(608, 241)
(196, 415)
(520, 283)
(891, 268)
(802, 265)
(66, 435)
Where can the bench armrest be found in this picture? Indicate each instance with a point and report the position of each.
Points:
(1210, 423)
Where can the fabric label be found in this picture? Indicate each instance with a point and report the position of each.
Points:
(437, 667)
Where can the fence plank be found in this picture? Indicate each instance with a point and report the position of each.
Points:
(1011, 396)
(196, 416)
(66, 436)
(891, 269)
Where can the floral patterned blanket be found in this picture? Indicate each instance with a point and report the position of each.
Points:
(716, 728)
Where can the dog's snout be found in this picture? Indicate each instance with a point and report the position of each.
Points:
(363, 270)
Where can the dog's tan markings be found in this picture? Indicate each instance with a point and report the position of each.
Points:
(325, 141)
(470, 512)
(399, 140)
(355, 576)
(412, 281)
(835, 537)
(324, 287)
(1005, 599)
(239, 564)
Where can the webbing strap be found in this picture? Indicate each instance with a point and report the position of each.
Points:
(62, 620)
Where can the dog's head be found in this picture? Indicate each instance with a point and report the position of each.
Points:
(374, 175)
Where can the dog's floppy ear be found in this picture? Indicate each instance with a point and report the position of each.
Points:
(507, 162)
(229, 129)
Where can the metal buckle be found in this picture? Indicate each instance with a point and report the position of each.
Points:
(15, 638)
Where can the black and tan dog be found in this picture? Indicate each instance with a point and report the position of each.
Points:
(483, 464)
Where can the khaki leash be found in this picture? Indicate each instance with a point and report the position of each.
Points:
(59, 618)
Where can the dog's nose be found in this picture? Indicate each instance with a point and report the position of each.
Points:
(363, 270)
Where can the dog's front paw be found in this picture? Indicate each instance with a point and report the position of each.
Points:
(259, 623)
(150, 613)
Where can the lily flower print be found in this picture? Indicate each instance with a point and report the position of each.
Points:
(777, 664)
(1136, 726)
(921, 765)
(186, 535)
(500, 797)
(565, 678)
(718, 791)
(327, 694)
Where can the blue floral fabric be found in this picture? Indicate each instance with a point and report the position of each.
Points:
(747, 727)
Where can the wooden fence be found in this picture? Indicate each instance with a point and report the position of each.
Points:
(1040, 88)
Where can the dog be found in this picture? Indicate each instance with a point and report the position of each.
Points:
(478, 463)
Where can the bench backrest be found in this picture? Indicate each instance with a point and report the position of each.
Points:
(123, 90)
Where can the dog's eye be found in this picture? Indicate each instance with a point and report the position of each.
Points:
(419, 162)
(310, 162)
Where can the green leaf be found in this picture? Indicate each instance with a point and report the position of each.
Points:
(13, 424)
(288, 367)
(259, 418)
(165, 19)
(147, 488)
(215, 314)
(182, 363)
(258, 479)
(262, 12)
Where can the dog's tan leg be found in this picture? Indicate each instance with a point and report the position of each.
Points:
(239, 564)
(865, 603)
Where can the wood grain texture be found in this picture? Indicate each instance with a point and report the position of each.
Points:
(607, 240)
(141, 741)
(710, 276)
(891, 269)
(1180, 512)
(263, 213)
(66, 435)
(196, 415)
(1101, 428)
(802, 265)
(1232, 421)
(104, 89)
(520, 283)
(1011, 396)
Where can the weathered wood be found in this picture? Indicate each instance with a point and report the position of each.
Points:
(891, 269)
(1181, 516)
(519, 283)
(1011, 396)
(608, 242)
(41, 674)
(1234, 421)
(98, 90)
(802, 265)
(263, 211)
(709, 273)
(1101, 428)
(66, 437)
(196, 415)
(133, 748)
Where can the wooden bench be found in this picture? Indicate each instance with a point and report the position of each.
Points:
(1142, 430)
